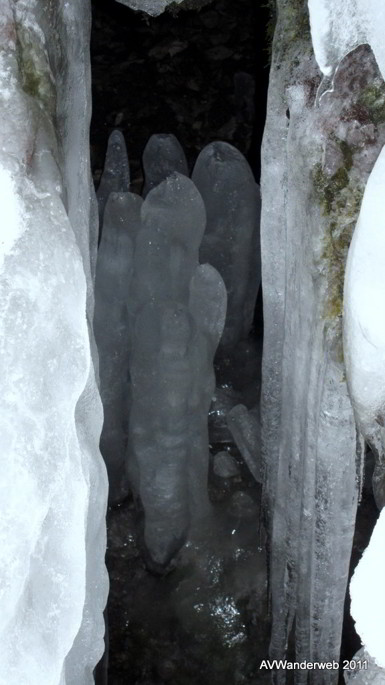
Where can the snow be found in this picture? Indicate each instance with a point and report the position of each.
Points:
(367, 592)
(364, 295)
(339, 27)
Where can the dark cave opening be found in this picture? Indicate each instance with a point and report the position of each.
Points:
(201, 75)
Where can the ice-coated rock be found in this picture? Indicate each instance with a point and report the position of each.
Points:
(53, 485)
(177, 315)
(116, 173)
(231, 240)
(111, 325)
(162, 156)
(312, 183)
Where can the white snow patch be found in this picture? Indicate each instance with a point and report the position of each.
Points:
(367, 591)
(364, 297)
(337, 28)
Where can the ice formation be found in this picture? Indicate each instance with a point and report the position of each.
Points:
(111, 325)
(231, 240)
(162, 155)
(53, 490)
(116, 173)
(177, 309)
(315, 163)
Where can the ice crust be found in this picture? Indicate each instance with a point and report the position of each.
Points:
(231, 241)
(162, 155)
(53, 488)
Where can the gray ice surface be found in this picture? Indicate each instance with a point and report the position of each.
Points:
(231, 240)
(162, 156)
(111, 325)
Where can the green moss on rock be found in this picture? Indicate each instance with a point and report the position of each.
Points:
(34, 69)
(340, 199)
(372, 99)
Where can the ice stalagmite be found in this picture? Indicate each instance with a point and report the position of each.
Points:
(177, 312)
(53, 484)
(116, 172)
(162, 155)
(112, 291)
(231, 240)
(315, 163)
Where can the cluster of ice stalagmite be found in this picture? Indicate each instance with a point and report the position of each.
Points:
(53, 485)
(159, 317)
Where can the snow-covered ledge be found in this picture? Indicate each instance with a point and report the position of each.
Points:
(53, 486)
